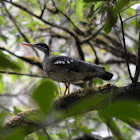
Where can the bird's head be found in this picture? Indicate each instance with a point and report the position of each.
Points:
(41, 46)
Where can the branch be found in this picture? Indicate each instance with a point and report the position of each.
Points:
(80, 32)
(42, 12)
(118, 52)
(96, 56)
(46, 134)
(111, 124)
(66, 103)
(131, 17)
(22, 74)
(137, 72)
(91, 37)
(125, 50)
(112, 61)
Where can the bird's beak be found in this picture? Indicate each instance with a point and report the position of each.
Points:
(28, 44)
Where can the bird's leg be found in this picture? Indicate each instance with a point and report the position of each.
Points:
(65, 89)
(68, 87)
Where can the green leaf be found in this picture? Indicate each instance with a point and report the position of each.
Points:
(90, 15)
(33, 2)
(17, 134)
(31, 26)
(99, 4)
(86, 105)
(99, 8)
(3, 21)
(112, 15)
(120, 5)
(16, 111)
(42, 137)
(63, 5)
(4, 38)
(87, 1)
(98, 82)
(3, 117)
(44, 95)
(2, 84)
(79, 8)
(124, 110)
(108, 120)
(86, 129)
(7, 63)
(25, 14)
(111, 20)
(22, 64)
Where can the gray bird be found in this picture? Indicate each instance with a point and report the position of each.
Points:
(67, 69)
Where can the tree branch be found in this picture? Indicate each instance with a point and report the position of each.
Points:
(66, 103)
(103, 44)
(80, 32)
(125, 50)
(131, 17)
(42, 12)
(22, 74)
(92, 36)
(137, 72)
(96, 56)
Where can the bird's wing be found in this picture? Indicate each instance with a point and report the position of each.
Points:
(70, 64)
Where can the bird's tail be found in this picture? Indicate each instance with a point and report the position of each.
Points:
(106, 76)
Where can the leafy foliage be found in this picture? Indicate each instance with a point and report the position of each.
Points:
(7, 63)
(44, 95)
(70, 28)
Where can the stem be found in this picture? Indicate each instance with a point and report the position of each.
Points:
(22, 74)
(137, 72)
(131, 17)
(125, 50)
(46, 134)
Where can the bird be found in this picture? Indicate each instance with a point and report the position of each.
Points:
(68, 69)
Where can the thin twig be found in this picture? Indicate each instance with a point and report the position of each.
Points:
(114, 50)
(137, 72)
(125, 50)
(92, 36)
(53, 35)
(67, 18)
(4, 108)
(42, 12)
(9, 95)
(22, 74)
(68, 129)
(131, 17)
(97, 59)
(46, 134)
